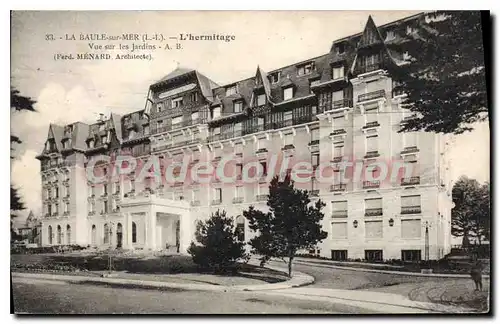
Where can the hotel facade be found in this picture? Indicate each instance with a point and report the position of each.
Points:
(337, 107)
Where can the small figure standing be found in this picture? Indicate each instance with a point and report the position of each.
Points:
(477, 276)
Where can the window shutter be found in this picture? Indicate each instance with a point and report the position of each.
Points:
(373, 229)
(411, 228)
(339, 230)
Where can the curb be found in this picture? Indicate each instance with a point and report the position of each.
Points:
(401, 273)
(298, 279)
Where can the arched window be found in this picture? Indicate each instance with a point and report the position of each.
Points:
(119, 235)
(93, 236)
(59, 234)
(68, 234)
(134, 232)
(240, 228)
(106, 233)
(50, 234)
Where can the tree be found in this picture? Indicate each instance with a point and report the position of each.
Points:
(471, 215)
(291, 224)
(17, 103)
(445, 76)
(220, 249)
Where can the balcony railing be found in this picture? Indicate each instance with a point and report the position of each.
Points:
(337, 159)
(410, 181)
(369, 68)
(339, 214)
(338, 187)
(371, 125)
(371, 154)
(371, 184)
(261, 197)
(371, 95)
(338, 132)
(410, 149)
(237, 200)
(411, 209)
(315, 193)
(288, 147)
(334, 105)
(216, 202)
(373, 212)
(314, 142)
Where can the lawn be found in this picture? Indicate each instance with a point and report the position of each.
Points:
(172, 268)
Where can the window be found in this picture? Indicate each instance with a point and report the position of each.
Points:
(288, 115)
(338, 151)
(91, 143)
(339, 230)
(159, 124)
(59, 234)
(263, 164)
(371, 60)
(66, 207)
(176, 120)
(238, 106)
(105, 206)
(339, 255)
(371, 115)
(339, 208)
(159, 107)
(373, 207)
(411, 228)
(288, 139)
(105, 190)
(390, 35)
(218, 194)
(315, 134)
(238, 192)
(305, 69)
(410, 139)
(50, 234)
(261, 143)
(216, 112)
(315, 159)
(193, 97)
(134, 232)
(261, 100)
(146, 130)
(337, 72)
(410, 30)
(373, 229)
(177, 102)
(117, 187)
(194, 116)
(93, 235)
(263, 189)
(68, 234)
(275, 77)
(239, 170)
(237, 132)
(231, 90)
(340, 48)
(411, 204)
(56, 192)
(411, 255)
(372, 144)
(106, 234)
(288, 93)
(374, 255)
(240, 228)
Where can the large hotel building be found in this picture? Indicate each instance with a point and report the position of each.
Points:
(335, 107)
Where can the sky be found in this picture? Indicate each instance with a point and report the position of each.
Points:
(69, 91)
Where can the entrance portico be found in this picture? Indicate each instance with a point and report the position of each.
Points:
(162, 223)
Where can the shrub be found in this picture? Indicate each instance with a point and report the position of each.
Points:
(220, 249)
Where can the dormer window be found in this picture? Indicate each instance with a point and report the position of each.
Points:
(313, 83)
(231, 90)
(389, 35)
(159, 107)
(238, 106)
(177, 102)
(305, 69)
(410, 30)
(275, 77)
(216, 112)
(91, 143)
(337, 72)
(102, 127)
(288, 93)
(193, 97)
(261, 100)
(339, 48)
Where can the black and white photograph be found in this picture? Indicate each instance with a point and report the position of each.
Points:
(250, 162)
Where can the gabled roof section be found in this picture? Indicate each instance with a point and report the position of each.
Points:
(371, 35)
(116, 123)
(80, 133)
(57, 133)
(262, 76)
(206, 86)
(174, 74)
